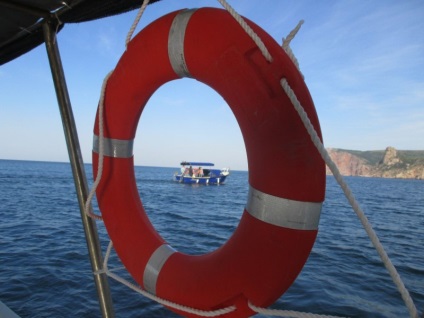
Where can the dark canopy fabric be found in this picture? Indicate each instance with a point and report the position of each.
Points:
(21, 21)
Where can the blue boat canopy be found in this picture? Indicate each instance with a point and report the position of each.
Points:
(192, 163)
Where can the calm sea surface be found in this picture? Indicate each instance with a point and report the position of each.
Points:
(45, 270)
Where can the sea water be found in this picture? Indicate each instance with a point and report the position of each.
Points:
(45, 269)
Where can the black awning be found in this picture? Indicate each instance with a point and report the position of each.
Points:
(21, 20)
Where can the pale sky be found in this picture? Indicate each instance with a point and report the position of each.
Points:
(363, 62)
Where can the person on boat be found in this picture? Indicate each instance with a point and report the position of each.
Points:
(200, 172)
(190, 171)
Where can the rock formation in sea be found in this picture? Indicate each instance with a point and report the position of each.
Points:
(388, 163)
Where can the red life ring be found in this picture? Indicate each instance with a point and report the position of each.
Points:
(286, 174)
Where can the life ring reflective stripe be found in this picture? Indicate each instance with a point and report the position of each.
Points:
(282, 212)
(286, 174)
(114, 147)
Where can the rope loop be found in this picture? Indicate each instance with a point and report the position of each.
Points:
(320, 148)
(202, 313)
(88, 207)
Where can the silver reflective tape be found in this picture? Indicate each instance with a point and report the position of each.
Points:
(282, 212)
(176, 43)
(116, 148)
(154, 265)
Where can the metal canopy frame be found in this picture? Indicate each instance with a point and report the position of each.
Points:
(50, 25)
(77, 164)
(25, 24)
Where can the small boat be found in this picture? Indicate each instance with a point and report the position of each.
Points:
(194, 172)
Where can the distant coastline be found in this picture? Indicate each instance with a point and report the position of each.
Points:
(388, 163)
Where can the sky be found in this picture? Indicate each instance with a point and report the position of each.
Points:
(363, 63)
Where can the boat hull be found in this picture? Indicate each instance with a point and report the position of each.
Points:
(200, 180)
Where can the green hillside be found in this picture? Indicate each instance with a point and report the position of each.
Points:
(411, 156)
(375, 156)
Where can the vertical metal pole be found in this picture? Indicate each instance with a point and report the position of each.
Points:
(71, 136)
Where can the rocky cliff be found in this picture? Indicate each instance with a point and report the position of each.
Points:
(389, 163)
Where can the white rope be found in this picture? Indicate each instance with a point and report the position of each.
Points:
(167, 303)
(318, 144)
(286, 44)
(258, 41)
(287, 313)
(198, 312)
(349, 195)
(88, 209)
(292, 34)
(137, 19)
(105, 268)
(324, 154)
